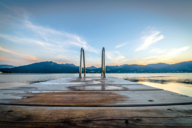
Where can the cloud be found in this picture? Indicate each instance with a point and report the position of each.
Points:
(49, 38)
(176, 51)
(28, 57)
(59, 37)
(166, 56)
(53, 44)
(170, 52)
(47, 42)
(159, 51)
(118, 46)
(3, 58)
(24, 40)
(114, 56)
(149, 38)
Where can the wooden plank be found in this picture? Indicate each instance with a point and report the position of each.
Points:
(97, 117)
(114, 123)
(86, 87)
(96, 98)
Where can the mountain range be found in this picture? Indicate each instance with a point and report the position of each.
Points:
(52, 67)
(6, 66)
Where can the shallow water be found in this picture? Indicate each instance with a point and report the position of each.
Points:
(176, 82)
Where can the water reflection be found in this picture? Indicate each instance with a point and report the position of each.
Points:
(180, 88)
(97, 88)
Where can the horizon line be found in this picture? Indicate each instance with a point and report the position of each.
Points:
(97, 66)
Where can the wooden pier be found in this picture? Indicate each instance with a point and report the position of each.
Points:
(93, 102)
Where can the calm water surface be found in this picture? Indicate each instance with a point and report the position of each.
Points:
(176, 82)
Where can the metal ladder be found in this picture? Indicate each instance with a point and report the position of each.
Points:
(103, 68)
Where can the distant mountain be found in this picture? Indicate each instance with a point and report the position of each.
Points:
(52, 67)
(128, 69)
(92, 67)
(179, 67)
(158, 65)
(6, 66)
(44, 67)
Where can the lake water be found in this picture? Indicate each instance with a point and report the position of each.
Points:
(176, 82)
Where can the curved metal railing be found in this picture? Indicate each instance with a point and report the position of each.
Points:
(103, 68)
(82, 53)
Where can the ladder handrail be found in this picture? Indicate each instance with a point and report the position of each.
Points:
(80, 66)
(103, 68)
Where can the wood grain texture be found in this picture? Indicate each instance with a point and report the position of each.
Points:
(96, 117)
(59, 103)
(90, 98)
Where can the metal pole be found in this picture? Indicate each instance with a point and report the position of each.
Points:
(84, 62)
(80, 66)
(102, 63)
(103, 68)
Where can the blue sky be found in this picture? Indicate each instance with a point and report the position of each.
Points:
(132, 32)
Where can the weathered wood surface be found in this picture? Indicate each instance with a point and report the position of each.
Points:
(93, 102)
(88, 98)
(83, 87)
(164, 116)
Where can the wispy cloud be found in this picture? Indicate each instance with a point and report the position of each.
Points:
(170, 52)
(166, 55)
(53, 44)
(159, 50)
(176, 51)
(150, 37)
(120, 45)
(3, 58)
(24, 40)
(50, 38)
(59, 45)
(114, 56)
(28, 57)
(59, 37)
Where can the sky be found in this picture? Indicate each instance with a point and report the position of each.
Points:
(132, 31)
